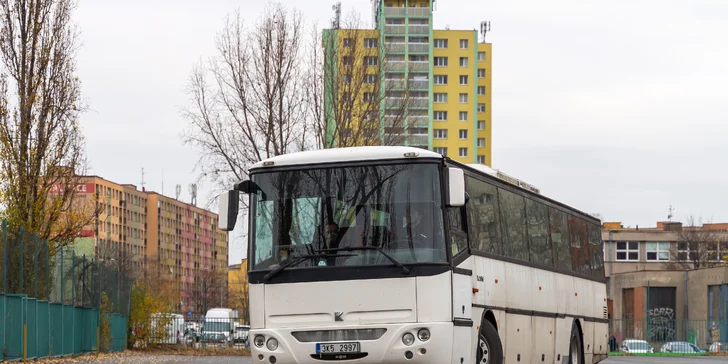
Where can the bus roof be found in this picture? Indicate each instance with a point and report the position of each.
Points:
(348, 154)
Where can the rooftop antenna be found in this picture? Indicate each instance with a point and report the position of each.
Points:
(336, 21)
(177, 192)
(484, 29)
(375, 12)
(671, 210)
(143, 184)
(162, 181)
(193, 194)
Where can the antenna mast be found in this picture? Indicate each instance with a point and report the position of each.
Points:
(336, 21)
(143, 184)
(193, 194)
(484, 29)
(177, 192)
(671, 210)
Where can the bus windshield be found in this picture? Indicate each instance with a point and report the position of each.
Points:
(396, 208)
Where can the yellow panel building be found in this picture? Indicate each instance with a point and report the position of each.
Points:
(405, 83)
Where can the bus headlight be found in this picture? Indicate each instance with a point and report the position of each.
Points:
(272, 344)
(259, 341)
(423, 335)
(408, 339)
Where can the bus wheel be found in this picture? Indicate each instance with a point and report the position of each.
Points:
(576, 349)
(490, 349)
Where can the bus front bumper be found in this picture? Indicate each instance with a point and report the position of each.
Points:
(390, 347)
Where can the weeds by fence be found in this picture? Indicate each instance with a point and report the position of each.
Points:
(668, 336)
(51, 299)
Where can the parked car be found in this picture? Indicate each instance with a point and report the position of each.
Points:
(682, 347)
(636, 346)
(241, 334)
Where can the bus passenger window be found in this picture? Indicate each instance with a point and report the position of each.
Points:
(458, 233)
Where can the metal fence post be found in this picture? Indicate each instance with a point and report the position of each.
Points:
(63, 288)
(73, 277)
(22, 259)
(48, 272)
(5, 256)
(35, 265)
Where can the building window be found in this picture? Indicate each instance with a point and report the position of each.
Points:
(440, 150)
(481, 73)
(368, 96)
(481, 142)
(370, 79)
(481, 56)
(481, 124)
(347, 42)
(481, 90)
(481, 107)
(463, 133)
(440, 79)
(370, 61)
(440, 62)
(463, 44)
(440, 97)
(439, 134)
(463, 152)
(463, 80)
(463, 98)
(463, 61)
(463, 116)
(418, 131)
(440, 115)
(481, 159)
(348, 61)
(628, 251)
(441, 43)
(370, 43)
(658, 251)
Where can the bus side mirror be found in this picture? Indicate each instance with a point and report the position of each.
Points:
(455, 187)
(228, 210)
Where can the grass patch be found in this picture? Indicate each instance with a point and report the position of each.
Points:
(663, 354)
(192, 351)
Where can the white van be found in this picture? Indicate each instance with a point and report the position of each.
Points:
(172, 333)
(218, 321)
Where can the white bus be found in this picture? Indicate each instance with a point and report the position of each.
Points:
(400, 255)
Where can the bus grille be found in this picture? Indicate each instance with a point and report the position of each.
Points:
(338, 335)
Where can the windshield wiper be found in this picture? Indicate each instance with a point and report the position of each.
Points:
(399, 265)
(296, 261)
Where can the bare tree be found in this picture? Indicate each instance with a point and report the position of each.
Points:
(211, 290)
(696, 246)
(357, 94)
(248, 100)
(238, 295)
(41, 145)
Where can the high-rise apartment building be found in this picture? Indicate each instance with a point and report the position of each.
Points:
(148, 227)
(425, 87)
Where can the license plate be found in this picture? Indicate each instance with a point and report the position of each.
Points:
(337, 348)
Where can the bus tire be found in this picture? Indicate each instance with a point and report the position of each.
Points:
(576, 346)
(490, 349)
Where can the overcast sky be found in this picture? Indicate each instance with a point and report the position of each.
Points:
(618, 108)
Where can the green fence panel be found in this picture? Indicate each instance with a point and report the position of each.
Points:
(43, 337)
(77, 330)
(3, 335)
(31, 310)
(118, 333)
(15, 318)
(56, 329)
(88, 334)
(68, 320)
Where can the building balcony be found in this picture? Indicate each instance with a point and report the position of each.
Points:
(394, 47)
(419, 47)
(419, 66)
(419, 30)
(418, 121)
(394, 102)
(417, 102)
(395, 12)
(423, 12)
(393, 120)
(394, 84)
(394, 66)
(419, 85)
(418, 139)
(395, 29)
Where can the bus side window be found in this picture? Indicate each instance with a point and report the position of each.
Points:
(458, 230)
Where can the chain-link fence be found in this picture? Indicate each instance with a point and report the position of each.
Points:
(678, 336)
(51, 299)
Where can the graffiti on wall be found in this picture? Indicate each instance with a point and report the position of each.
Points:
(661, 324)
